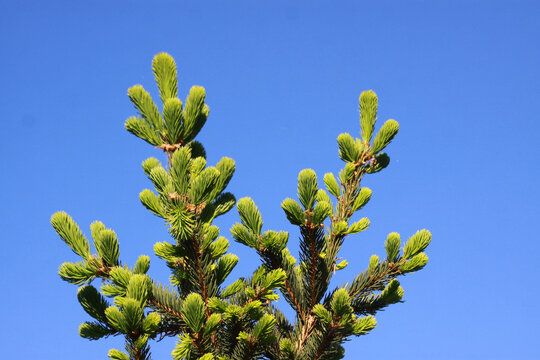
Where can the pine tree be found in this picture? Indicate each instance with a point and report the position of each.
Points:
(238, 321)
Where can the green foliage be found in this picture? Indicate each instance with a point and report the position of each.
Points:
(64, 225)
(212, 324)
(193, 312)
(293, 211)
(168, 299)
(141, 128)
(172, 114)
(416, 263)
(93, 331)
(180, 164)
(321, 211)
(226, 167)
(120, 276)
(166, 76)
(233, 289)
(364, 325)
(416, 243)
(307, 188)
(138, 288)
(117, 355)
(363, 197)
(392, 244)
(212, 317)
(359, 226)
(219, 247)
(93, 303)
(149, 164)
(322, 314)
(224, 267)
(183, 348)
(340, 228)
(250, 216)
(151, 323)
(392, 293)
(387, 132)
(322, 196)
(368, 113)
(341, 303)
(107, 247)
(331, 184)
(373, 264)
(342, 265)
(142, 265)
(151, 202)
(348, 149)
(145, 105)
(264, 329)
(76, 273)
(242, 234)
(381, 161)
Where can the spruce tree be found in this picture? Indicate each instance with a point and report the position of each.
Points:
(237, 321)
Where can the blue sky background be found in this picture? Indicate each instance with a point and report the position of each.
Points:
(282, 80)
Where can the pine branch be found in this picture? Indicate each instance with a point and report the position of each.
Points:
(198, 267)
(238, 322)
(272, 261)
(305, 330)
(325, 341)
(367, 282)
(318, 274)
(165, 300)
(135, 351)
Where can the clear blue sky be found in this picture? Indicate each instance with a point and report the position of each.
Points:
(282, 79)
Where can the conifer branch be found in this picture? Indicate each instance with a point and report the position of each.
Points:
(313, 266)
(326, 339)
(240, 321)
(273, 262)
(305, 331)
